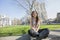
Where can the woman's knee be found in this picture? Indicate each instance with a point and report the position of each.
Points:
(47, 30)
(40, 30)
(44, 31)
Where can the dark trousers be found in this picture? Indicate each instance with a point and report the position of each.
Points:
(42, 33)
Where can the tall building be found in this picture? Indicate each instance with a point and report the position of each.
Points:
(58, 17)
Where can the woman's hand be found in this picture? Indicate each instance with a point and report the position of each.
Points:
(35, 29)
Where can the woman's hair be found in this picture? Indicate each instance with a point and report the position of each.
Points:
(37, 18)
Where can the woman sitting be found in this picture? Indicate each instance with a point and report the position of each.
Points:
(34, 27)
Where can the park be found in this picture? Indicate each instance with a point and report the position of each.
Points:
(19, 30)
(17, 17)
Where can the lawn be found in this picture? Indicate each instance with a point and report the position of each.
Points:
(22, 29)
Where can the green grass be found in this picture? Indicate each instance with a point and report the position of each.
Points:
(22, 29)
(51, 27)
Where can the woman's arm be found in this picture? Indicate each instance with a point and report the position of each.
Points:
(38, 25)
(35, 29)
(31, 24)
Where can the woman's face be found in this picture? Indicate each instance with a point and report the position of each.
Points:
(34, 14)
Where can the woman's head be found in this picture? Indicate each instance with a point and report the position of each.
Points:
(34, 14)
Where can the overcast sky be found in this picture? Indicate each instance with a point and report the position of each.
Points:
(12, 9)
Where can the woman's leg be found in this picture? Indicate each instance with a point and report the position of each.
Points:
(33, 33)
(43, 33)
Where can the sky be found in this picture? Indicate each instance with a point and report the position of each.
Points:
(12, 9)
(52, 8)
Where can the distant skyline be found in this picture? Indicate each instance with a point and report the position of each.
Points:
(13, 10)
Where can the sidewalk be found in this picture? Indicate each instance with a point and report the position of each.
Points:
(54, 35)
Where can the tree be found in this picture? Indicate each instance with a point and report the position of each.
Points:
(16, 21)
(29, 3)
(37, 7)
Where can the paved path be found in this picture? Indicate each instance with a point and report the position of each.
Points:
(54, 35)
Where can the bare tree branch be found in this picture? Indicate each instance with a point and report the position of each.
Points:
(21, 5)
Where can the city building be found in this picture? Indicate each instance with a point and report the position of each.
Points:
(58, 17)
(4, 21)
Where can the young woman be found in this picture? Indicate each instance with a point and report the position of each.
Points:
(35, 30)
